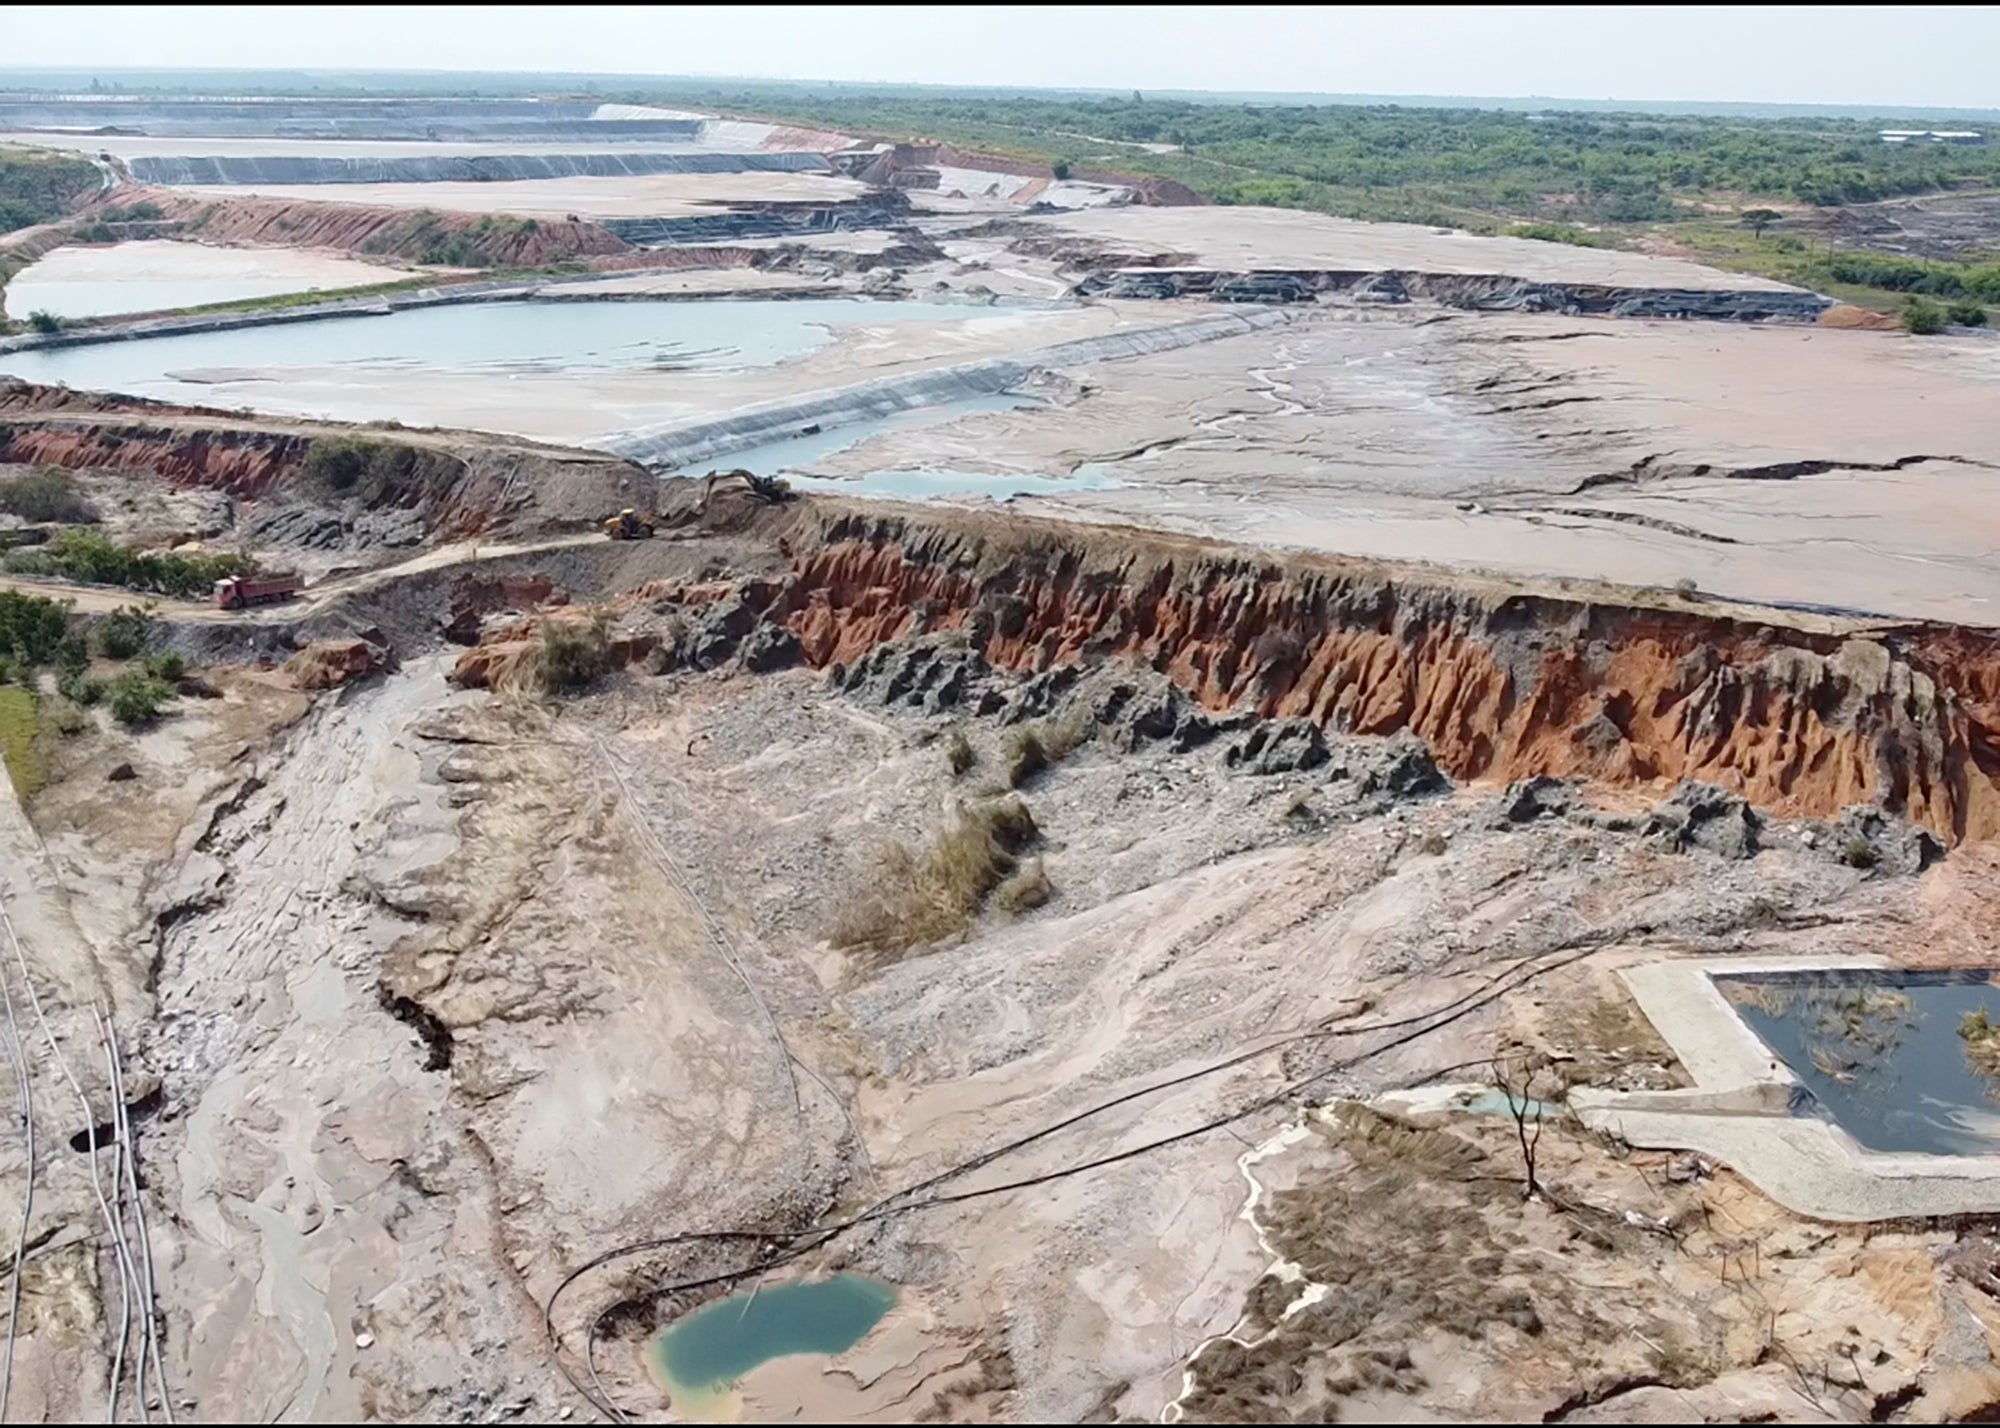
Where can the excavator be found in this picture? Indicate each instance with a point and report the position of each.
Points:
(630, 525)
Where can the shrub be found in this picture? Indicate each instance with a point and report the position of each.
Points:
(1923, 317)
(120, 634)
(94, 559)
(44, 321)
(1026, 890)
(1966, 314)
(167, 666)
(31, 627)
(79, 688)
(136, 698)
(958, 753)
(925, 897)
(1022, 756)
(1859, 853)
(47, 493)
(355, 466)
(1686, 588)
(568, 656)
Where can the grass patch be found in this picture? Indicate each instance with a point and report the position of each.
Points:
(20, 726)
(928, 896)
(1558, 233)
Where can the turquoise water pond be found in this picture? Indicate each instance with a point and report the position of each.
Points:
(721, 1342)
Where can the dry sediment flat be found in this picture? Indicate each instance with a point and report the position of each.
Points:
(136, 146)
(156, 274)
(577, 405)
(1546, 446)
(1245, 238)
(626, 196)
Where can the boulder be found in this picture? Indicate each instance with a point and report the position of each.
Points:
(1279, 746)
(1700, 815)
(1528, 799)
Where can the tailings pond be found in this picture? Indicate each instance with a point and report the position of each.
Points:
(496, 337)
(558, 370)
(704, 1354)
(1902, 1061)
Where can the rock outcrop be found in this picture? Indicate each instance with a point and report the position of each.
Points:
(1498, 684)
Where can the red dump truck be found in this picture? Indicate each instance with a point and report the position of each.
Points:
(240, 590)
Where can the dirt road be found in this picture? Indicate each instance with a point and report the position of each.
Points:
(102, 599)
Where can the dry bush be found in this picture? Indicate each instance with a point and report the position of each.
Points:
(1023, 755)
(958, 753)
(1031, 748)
(926, 897)
(1027, 889)
(567, 656)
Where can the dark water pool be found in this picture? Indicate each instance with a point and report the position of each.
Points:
(1882, 1052)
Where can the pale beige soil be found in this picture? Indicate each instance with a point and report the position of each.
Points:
(1244, 238)
(641, 196)
(152, 274)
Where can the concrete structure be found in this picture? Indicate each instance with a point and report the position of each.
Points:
(1738, 1109)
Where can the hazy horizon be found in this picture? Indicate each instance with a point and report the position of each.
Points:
(1751, 55)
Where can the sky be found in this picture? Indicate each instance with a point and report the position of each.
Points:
(1913, 56)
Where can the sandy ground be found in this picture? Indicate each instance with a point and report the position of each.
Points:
(650, 196)
(1239, 238)
(157, 274)
(1476, 442)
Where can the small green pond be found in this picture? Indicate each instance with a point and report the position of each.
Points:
(719, 1343)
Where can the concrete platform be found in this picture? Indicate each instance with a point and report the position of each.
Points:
(1735, 1112)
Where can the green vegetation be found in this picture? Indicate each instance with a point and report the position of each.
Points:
(1923, 317)
(47, 493)
(121, 634)
(31, 629)
(362, 469)
(1965, 313)
(37, 186)
(20, 726)
(1982, 1047)
(1758, 219)
(137, 697)
(92, 559)
(44, 321)
(1421, 165)
(425, 237)
(143, 211)
(1558, 233)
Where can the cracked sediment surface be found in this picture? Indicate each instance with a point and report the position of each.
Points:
(1786, 466)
